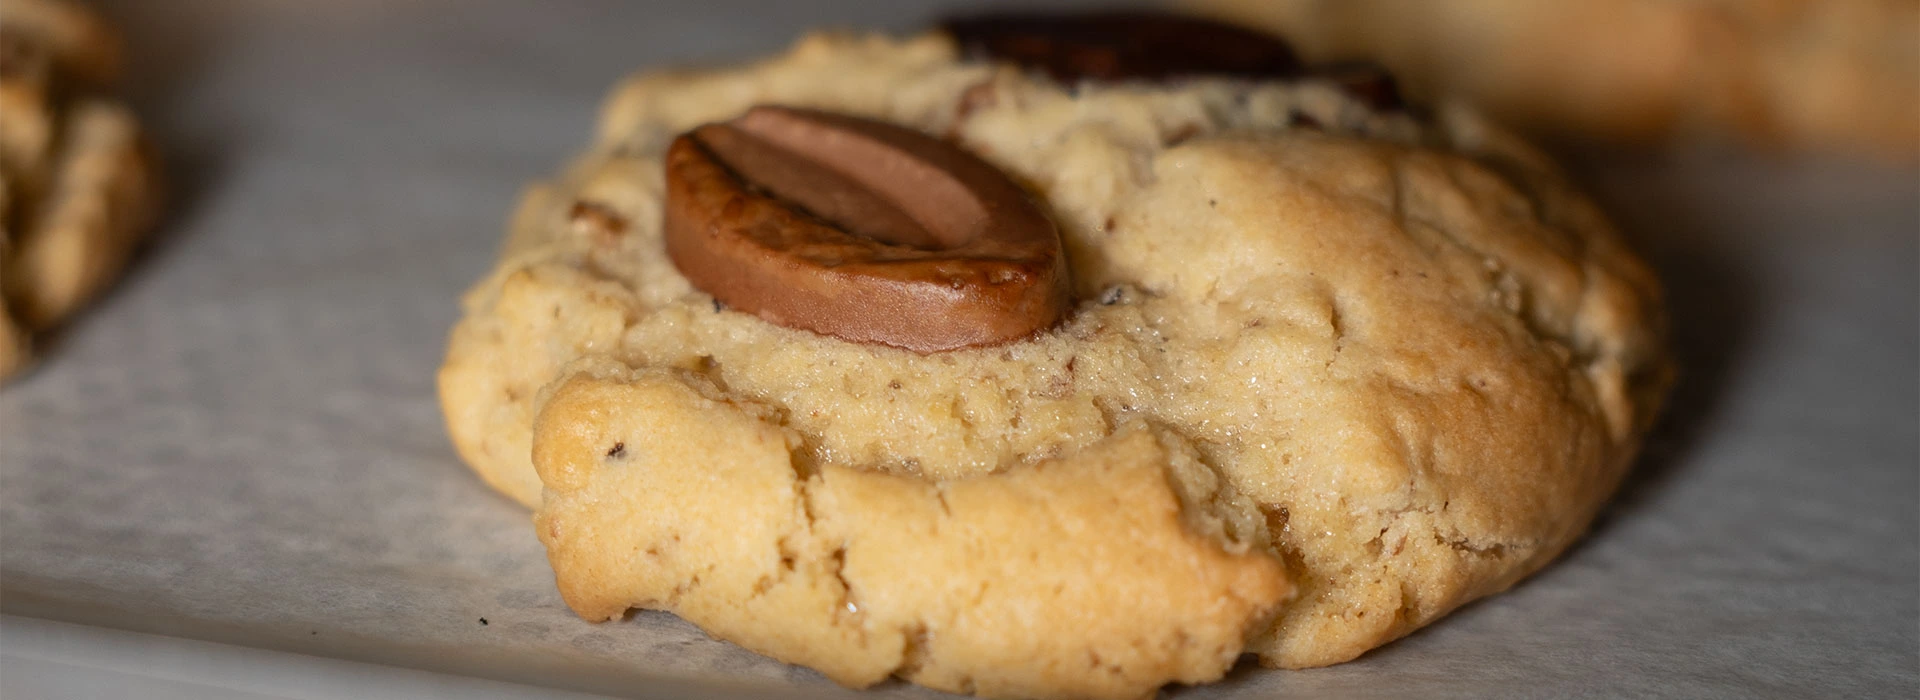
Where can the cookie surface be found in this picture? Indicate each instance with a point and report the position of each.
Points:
(1349, 371)
(80, 186)
(663, 492)
(1822, 74)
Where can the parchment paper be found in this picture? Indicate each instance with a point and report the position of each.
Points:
(241, 443)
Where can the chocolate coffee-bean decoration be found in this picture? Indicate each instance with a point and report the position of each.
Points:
(1150, 45)
(861, 230)
(1123, 45)
(1365, 81)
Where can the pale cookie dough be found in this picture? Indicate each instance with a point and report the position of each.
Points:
(1406, 361)
(1106, 573)
(77, 183)
(1808, 74)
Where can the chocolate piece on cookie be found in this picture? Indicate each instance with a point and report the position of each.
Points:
(1152, 45)
(1313, 387)
(1121, 45)
(862, 230)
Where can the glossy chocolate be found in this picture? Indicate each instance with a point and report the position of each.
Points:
(861, 230)
(1152, 45)
(1123, 45)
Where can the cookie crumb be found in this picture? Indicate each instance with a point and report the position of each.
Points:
(979, 96)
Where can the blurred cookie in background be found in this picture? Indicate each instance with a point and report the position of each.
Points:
(78, 183)
(1800, 75)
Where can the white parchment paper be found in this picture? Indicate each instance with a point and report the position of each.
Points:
(241, 443)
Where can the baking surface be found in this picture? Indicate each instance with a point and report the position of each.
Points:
(241, 444)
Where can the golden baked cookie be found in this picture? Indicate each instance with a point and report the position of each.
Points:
(78, 184)
(1807, 74)
(1107, 572)
(1327, 372)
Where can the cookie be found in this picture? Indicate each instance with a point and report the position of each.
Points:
(77, 42)
(1805, 74)
(80, 185)
(15, 346)
(1325, 370)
